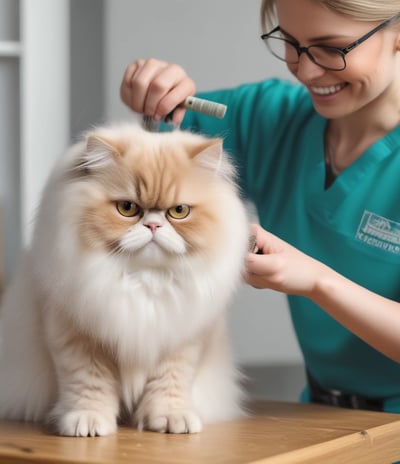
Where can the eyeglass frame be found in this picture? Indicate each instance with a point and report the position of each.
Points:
(341, 51)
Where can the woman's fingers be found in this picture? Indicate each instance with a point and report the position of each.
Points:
(155, 88)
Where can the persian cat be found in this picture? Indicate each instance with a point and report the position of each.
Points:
(119, 306)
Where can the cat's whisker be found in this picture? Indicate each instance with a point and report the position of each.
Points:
(117, 251)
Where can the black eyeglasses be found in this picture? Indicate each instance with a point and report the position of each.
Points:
(331, 58)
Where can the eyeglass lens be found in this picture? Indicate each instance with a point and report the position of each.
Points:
(326, 57)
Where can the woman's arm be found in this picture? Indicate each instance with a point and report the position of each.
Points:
(281, 267)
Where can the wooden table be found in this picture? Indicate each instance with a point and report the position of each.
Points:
(278, 433)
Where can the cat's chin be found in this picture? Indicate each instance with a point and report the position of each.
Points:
(153, 253)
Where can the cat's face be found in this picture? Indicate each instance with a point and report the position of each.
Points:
(151, 196)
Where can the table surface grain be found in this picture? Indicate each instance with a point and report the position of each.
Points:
(275, 433)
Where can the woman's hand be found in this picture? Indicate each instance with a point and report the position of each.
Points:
(155, 88)
(280, 266)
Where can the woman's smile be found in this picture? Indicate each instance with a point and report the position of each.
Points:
(327, 90)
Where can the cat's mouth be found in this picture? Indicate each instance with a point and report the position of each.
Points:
(137, 248)
(160, 248)
(151, 245)
(159, 245)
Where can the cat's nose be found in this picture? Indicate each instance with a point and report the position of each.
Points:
(153, 226)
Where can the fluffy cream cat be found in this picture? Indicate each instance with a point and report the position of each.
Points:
(119, 305)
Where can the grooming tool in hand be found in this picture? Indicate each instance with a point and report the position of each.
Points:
(200, 105)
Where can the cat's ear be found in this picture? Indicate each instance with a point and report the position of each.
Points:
(209, 154)
(99, 152)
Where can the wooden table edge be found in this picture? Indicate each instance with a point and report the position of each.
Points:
(371, 445)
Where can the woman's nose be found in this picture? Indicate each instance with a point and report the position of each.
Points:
(306, 69)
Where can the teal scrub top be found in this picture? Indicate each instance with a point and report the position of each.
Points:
(277, 141)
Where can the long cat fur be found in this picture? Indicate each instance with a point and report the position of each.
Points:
(109, 314)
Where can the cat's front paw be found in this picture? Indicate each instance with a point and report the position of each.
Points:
(85, 423)
(172, 421)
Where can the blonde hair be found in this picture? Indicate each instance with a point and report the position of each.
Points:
(362, 10)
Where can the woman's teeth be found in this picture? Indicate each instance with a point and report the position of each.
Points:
(327, 90)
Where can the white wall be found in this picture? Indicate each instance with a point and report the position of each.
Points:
(44, 98)
(86, 65)
(217, 42)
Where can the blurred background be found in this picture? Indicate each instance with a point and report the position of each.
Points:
(61, 63)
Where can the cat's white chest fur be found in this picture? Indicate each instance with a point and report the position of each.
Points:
(151, 282)
(145, 313)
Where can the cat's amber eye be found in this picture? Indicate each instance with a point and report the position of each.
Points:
(179, 211)
(127, 208)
